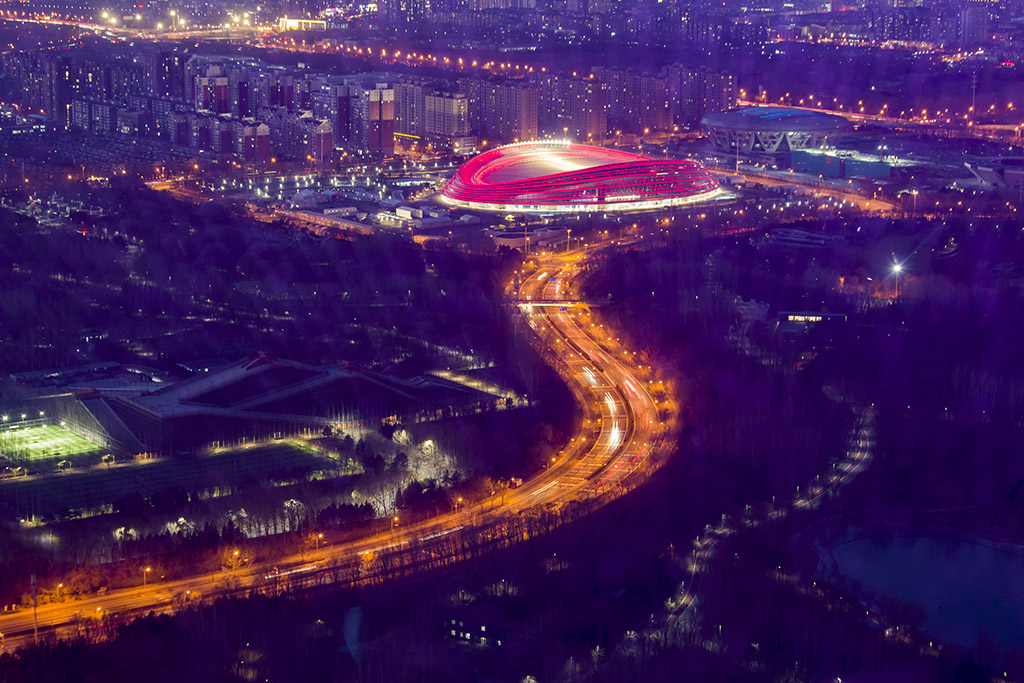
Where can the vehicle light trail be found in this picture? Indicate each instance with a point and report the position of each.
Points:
(542, 489)
(290, 572)
(439, 534)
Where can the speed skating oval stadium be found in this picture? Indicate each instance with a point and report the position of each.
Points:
(564, 177)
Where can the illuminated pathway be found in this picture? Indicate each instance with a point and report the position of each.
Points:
(620, 430)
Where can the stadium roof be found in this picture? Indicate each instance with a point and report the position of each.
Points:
(557, 176)
(775, 119)
(536, 161)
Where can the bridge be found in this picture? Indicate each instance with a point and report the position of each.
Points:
(557, 302)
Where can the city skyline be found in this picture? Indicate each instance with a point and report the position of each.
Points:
(511, 340)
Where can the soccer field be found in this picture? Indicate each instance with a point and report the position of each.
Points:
(234, 470)
(34, 447)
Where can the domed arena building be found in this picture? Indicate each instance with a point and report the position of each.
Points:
(770, 130)
(565, 177)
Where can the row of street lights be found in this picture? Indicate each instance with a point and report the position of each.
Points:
(112, 19)
(24, 416)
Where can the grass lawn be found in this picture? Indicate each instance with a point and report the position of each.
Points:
(239, 468)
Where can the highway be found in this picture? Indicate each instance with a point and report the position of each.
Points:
(224, 32)
(619, 430)
(819, 189)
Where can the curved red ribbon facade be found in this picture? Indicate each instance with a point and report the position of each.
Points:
(518, 178)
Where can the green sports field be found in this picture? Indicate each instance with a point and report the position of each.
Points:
(40, 448)
(232, 470)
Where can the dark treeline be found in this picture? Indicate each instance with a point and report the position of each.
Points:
(154, 272)
(771, 429)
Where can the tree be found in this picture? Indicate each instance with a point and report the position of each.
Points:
(501, 486)
(401, 462)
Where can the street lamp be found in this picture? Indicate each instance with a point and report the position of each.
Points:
(145, 575)
(897, 268)
(317, 539)
(394, 523)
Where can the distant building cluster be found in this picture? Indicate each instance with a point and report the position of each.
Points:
(574, 21)
(946, 25)
(226, 107)
(241, 108)
(706, 27)
(594, 107)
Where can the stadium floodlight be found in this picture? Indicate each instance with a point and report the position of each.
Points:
(41, 413)
(23, 416)
(5, 418)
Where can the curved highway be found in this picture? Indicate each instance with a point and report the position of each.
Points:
(620, 428)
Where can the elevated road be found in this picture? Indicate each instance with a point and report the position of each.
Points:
(619, 430)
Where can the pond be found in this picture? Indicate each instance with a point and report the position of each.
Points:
(969, 591)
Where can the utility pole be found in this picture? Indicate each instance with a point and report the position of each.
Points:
(35, 618)
(974, 93)
(515, 314)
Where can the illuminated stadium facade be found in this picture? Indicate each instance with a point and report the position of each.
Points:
(564, 177)
(770, 130)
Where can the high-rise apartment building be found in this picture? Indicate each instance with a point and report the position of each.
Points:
(446, 115)
(373, 118)
(323, 145)
(212, 94)
(409, 106)
(637, 102)
(573, 107)
(505, 111)
(254, 143)
(698, 91)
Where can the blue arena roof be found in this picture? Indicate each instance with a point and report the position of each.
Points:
(772, 118)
